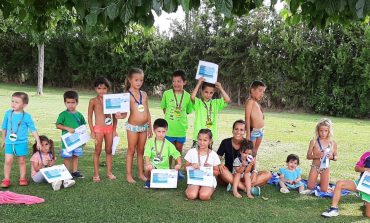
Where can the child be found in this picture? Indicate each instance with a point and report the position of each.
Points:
(139, 123)
(68, 121)
(206, 109)
(244, 167)
(158, 150)
(15, 127)
(362, 165)
(254, 118)
(321, 150)
(202, 156)
(104, 128)
(290, 177)
(176, 105)
(45, 158)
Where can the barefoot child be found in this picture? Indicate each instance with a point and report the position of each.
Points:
(68, 121)
(321, 150)
(206, 109)
(158, 150)
(362, 165)
(139, 123)
(253, 114)
(45, 158)
(16, 125)
(176, 105)
(203, 155)
(290, 177)
(104, 128)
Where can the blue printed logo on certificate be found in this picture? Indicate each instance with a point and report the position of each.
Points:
(207, 70)
(364, 183)
(77, 139)
(72, 139)
(201, 177)
(163, 178)
(114, 103)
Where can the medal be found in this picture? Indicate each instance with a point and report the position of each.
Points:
(13, 137)
(209, 122)
(158, 155)
(177, 110)
(108, 121)
(140, 108)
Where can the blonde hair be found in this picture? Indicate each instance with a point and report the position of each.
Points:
(324, 122)
(131, 73)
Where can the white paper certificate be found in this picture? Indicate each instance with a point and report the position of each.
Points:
(76, 139)
(56, 173)
(115, 144)
(364, 183)
(113, 103)
(207, 70)
(160, 178)
(201, 177)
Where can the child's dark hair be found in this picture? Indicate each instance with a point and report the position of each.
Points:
(160, 123)
(70, 95)
(246, 145)
(131, 73)
(240, 121)
(256, 84)
(292, 157)
(45, 139)
(207, 132)
(179, 73)
(21, 95)
(206, 84)
(102, 80)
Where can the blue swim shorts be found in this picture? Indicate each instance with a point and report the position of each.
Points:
(20, 149)
(76, 152)
(256, 133)
(176, 139)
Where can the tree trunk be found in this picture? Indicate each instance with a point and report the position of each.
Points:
(40, 69)
(239, 91)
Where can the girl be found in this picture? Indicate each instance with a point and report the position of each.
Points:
(202, 156)
(290, 177)
(321, 150)
(45, 158)
(139, 123)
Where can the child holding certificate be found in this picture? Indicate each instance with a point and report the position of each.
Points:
(68, 121)
(361, 166)
(206, 157)
(206, 108)
(104, 128)
(158, 150)
(139, 125)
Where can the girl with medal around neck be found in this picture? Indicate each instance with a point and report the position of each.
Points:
(203, 155)
(206, 109)
(104, 128)
(138, 125)
(16, 125)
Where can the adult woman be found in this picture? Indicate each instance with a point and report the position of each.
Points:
(230, 149)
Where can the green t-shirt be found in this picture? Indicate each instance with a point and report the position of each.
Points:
(168, 150)
(70, 120)
(177, 121)
(200, 120)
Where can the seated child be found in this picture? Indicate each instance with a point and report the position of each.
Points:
(244, 169)
(158, 150)
(290, 177)
(361, 166)
(45, 158)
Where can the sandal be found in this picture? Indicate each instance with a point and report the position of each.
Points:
(111, 177)
(284, 190)
(23, 182)
(96, 179)
(5, 183)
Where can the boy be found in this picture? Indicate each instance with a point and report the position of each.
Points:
(158, 150)
(206, 108)
(104, 128)
(254, 119)
(68, 121)
(15, 127)
(176, 105)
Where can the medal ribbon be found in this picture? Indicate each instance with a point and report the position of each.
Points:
(205, 162)
(156, 150)
(209, 111)
(11, 122)
(140, 102)
(182, 97)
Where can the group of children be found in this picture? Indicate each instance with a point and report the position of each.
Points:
(165, 148)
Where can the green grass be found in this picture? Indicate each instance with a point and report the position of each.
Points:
(113, 201)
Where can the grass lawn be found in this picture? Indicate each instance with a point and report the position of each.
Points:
(113, 201)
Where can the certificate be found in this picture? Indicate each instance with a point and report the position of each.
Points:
(364, 183)
(201, 177)
(56, 173)
(115, 144)
(113, 103)
(77, 139)
(162, 178)
(207, 70)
